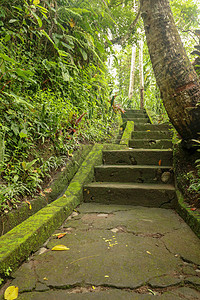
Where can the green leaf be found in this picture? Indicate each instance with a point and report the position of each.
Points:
(7, 38)
(65, 76)
(23, 73)
(23, 133)
(84, 54)
(36, 2)
(37, 18)
(30, 164)
(16, 177)
(7, 58)
(15, 129)
(13, 21)
(44, 33)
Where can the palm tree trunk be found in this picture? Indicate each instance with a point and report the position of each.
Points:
(132, 73)
(177, 80)
(141, 71)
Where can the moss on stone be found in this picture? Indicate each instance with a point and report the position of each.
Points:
(21, 241)
(18, 243)
(127, 133)
(63, 179)
(59, 185)
(192, 218)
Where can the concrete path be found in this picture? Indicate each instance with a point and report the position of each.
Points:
(115, 252)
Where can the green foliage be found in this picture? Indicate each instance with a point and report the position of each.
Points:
(54, 89)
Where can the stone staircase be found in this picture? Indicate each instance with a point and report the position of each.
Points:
(141, 175)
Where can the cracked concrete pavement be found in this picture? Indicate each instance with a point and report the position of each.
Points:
(115, 252)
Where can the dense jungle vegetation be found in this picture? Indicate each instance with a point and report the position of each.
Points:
(56, 89)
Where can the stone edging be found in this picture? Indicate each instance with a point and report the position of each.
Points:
(27, 237)
(127, 133)
(192, 218)
(58, 186)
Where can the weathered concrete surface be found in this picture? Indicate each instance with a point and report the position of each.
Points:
(141, 120)
(144, 194)
(28, 236)
(148, 134)
(115, 252)
(151, 143)
(138, 157)
(134, 173)
(151, 127)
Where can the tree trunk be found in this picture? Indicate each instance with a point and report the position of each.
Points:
(177, 80)
(132, 73)
(141, 73)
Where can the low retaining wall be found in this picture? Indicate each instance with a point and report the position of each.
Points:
(58, 186)
(27, 237)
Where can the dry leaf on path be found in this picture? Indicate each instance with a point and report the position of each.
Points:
(29, 204)
(59, 248)
(61, 235)
(11, 293)
(48, 190)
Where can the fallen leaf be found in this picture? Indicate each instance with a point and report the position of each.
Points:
(106, 276)
(57, 234)
(160, 162)
(49, 190)
(193, 209)
(11, 293)
(152, 292)
(148, 252)
(59, 248)
(93, 287)
(29, 204)
(45, 278)
(42, 194)
(61, 235)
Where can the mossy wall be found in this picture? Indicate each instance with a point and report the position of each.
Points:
(58, 186)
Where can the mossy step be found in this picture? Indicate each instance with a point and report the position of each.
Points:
(134, 115)
(150, 195)
(136, 111)
(138, 120)
(138, 174)
(151, 135)
(151, 143)
(151, 127)
(138, 157)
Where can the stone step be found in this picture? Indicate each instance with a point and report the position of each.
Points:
(136, 111)
(140, 194)
(138, 157)
(134, 115)
(151, 135)
(151, 127)
(138, 120)
(150, 143)
(139, 174)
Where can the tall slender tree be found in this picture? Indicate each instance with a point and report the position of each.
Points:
(177, 80)
(141, 71)
(132, 72)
